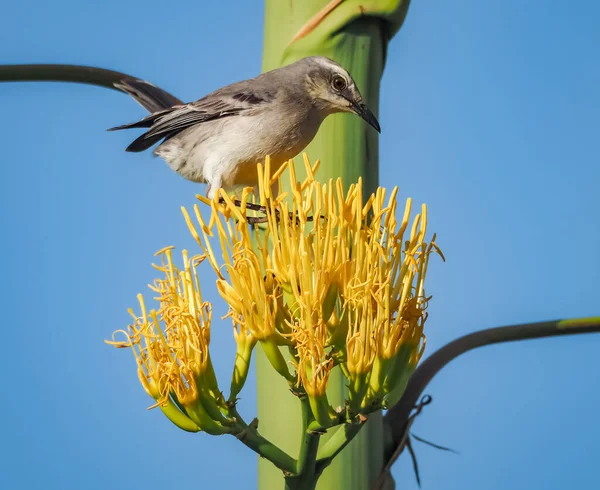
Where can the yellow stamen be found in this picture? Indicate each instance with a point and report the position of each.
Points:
(170, 344)
(333, 275)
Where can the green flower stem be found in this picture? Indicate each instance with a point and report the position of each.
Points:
(210, 377)
(210, 403)
(241, 367)
(277, 359)
(306, 475)
(320, 410)
(197, 413)
(338, 441)
(249, 436)
(179, 418)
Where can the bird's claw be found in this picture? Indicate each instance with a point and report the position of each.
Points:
(254, 220)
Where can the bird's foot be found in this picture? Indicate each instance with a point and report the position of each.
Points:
(255, 220)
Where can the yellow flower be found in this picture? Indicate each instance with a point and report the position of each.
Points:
(170, 345)
(332, 278)
(330, 275)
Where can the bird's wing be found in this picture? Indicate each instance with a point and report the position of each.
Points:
(179, 118)
(236, 99)
(149, 96)
(240, 98)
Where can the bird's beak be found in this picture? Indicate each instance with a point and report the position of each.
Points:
(365, 113)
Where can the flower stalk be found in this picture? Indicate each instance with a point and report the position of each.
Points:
(355, 34)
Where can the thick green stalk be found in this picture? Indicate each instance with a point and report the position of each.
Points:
(355, 34)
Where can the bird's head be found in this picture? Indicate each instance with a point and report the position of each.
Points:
(332, 89)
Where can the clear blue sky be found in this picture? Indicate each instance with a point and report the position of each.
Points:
(489, 114)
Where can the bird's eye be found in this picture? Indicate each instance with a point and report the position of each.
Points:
(339, 83)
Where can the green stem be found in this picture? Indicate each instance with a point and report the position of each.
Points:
(277, 360)
(336, 443)
(309, 440)
(306, 477)
(243, 356)
(178, 417)
(249, 436)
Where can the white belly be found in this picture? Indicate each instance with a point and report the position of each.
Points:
(224, 153)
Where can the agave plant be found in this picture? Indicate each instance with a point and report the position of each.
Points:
(355, 34)
(332, 283)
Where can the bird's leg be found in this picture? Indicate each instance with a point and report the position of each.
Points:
(253, 207)
(263, 209)
(213, 185)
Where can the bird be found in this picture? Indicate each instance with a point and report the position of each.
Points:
(219, 139)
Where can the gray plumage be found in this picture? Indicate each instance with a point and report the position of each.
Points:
(220, 138)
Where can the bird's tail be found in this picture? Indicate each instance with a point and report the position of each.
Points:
(143, 142)
(147, 122)
(150, 97)
(153, 99)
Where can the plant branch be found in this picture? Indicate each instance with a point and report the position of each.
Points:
(309, 443)
(306, 476)
(338, 441)
(149, 96)
(249, 436)
(398, 417)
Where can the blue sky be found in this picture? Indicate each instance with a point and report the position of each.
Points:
(489, 113)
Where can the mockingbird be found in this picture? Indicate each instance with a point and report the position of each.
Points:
(219, 139)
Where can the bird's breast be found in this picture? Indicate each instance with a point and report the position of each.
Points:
(228, 150)
(281, 136)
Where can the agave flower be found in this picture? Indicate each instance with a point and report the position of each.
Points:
(320, 278)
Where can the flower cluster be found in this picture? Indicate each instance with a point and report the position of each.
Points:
(321, 278)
